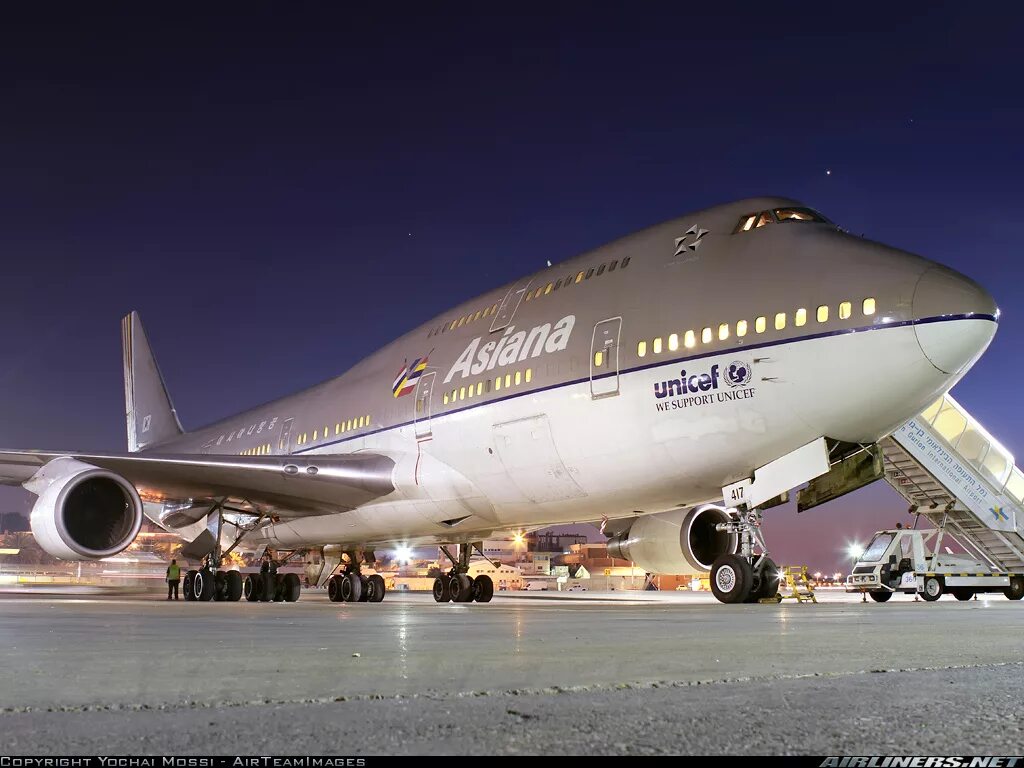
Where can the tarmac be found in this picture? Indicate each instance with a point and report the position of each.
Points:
(586, 673)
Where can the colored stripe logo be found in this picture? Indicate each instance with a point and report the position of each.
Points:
(405, 381)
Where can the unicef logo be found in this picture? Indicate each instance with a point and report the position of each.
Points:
(737, 374)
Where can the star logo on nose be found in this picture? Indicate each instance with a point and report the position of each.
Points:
(689, 241)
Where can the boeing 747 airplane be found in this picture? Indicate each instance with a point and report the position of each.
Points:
(671, 386)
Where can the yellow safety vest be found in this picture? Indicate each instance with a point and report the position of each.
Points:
(174, 572)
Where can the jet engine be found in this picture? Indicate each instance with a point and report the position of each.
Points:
(83, 512)
(680, 541)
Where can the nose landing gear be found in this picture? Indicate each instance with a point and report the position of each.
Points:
(749, 575)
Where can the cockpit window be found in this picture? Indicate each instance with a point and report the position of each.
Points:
(755, 220)
(799, 214)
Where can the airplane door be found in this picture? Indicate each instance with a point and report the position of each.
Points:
(285, 443)
(604, 358)
(424, 389)
(507, 308)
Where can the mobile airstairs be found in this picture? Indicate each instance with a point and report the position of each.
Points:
(952, 472)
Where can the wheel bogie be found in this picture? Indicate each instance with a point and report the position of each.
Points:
(460, 586)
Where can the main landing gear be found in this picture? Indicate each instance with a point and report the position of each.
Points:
(457, 585)
(351, 586)
(749, 575)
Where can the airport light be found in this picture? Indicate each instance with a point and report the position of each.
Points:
(403, 554)
(518, 538)
(855, 550)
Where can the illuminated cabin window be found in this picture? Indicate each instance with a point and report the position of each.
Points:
(598, 358)
(446, 398)
(549, 288)
(529, 295)
(723, 331)
(845, 310)
(540, 291)
(462, 321)
(706, 336)
(337, 429)
(780, 321)
(673, 342)
(497, 384)
(508, 380)
(625, 262)
(462, 393)
(470, 393)
(801, 317)
(452, 326)
(690, 340)
(579, 277)
(314, 435)
(600, 270)
(494, 308)
(477, 315)
(741, 328)
(656, 348)
(823, 313)
(479, 387)
(519, 378)
(869, 306)
(611, 267)
(529, 375)
(760, 324)
(641, 349)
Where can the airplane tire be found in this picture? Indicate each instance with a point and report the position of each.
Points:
(880, 595)
(731, 578)
(375, 588)
(292, 587)
(252, 587)
(202, 586)
(767, 585)
(187, 584)
(233, 591)
(334, 589)
(483, 589)
(461, 588)
(962, 593)
(351, 587)
(220, 586)
(1016, 589)
(441, 593)
(932, 589)
(364, 593)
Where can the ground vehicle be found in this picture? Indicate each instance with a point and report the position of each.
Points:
(576, 588)
(905, 560)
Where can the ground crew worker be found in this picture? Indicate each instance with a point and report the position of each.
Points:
(268, 573)
(173, 577)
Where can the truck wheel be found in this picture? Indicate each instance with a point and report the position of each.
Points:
(880, 595)
(731, 578)
(1016, 589)
(962, 593)
(932, 589)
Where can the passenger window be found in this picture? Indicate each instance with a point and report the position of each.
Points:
(540, 290)
(497, 384)
(477, 315)
(600, 270)
(508, 380)
(480, 388)
(529, 375)
(529, 295)
(657, 346)
(314, 435)
(690, 340)
(611, 267)
(558, 283)
(780, 321)
(519, 378)
(625, 262)
(641, 349)
(801, 317)
(590, 272)
(548, 289)
(446, 398)
(579, 277)
(494, 308)
(760, 324)
(462, 393)
(470, 393)
(462, 321)
(487, 386)
(869, 306)
(598, 358)
(823, 313)
(723, 331)
(706, 336)
(741, 328)
(673, 342)
(452, 326)
(845, 310)
(337, 428)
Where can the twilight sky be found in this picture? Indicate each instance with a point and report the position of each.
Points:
(280, 192)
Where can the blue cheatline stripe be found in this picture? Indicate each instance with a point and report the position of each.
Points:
(673, 361)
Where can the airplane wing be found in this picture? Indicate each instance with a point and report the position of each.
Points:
(310, 485)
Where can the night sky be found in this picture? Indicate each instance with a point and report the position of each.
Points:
(281, 192)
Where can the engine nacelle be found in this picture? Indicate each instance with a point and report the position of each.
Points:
(680, 541)
(83, 512)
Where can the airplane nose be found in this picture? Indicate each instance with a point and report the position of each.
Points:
(955, 318)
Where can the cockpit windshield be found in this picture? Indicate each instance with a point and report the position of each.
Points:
(876, 548)
(779, 215)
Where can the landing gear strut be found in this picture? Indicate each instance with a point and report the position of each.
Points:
(457, 585)
(749, 575)
(351, 586)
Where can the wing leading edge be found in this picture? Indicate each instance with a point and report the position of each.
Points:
(309, 485)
